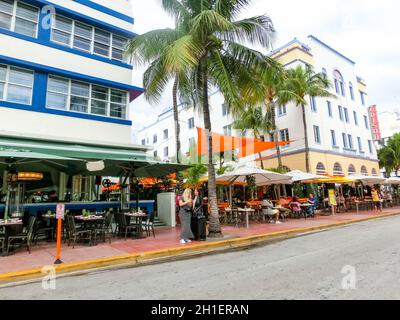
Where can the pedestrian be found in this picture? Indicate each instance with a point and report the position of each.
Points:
(377, 200)
(197, 204)
(186, 205)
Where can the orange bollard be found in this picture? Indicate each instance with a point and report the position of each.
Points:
(58, 255)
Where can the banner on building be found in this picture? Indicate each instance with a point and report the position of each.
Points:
(373, 115)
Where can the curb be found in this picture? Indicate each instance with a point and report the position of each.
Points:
(164, 254)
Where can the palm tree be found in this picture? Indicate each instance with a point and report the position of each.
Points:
(305, 82)
(389, 155)
(253, 118)
(194, 174)
(205, 50)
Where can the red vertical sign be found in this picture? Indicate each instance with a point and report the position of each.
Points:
(373, 115)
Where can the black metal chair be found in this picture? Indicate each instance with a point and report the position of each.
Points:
(105, 230)
(2, 244)
(45, 230)
(24, 237)
(123, 226)
(73, 234)
(148, 225)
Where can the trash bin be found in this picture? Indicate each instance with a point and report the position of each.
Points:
(198, 224)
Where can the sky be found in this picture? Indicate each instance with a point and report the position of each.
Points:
(366, 31)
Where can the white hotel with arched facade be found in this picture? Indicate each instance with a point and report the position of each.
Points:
(64, 81)
(339, 131)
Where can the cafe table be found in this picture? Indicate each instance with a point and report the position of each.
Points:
(139, 216)
(304, 207)
(8, 226)
(247, 211)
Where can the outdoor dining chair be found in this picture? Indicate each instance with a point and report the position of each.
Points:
(74, 234)
(25, 237)
(2, 244)
(48, 231)
(123, 226)
(148, 225)
(105, 230)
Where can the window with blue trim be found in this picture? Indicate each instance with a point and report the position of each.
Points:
(16, 85)
(351, 91)
(346, 115)
(281, 110)
(333, 137)
(366, 122)
(350, 137)
(19, 17)
(355, 118)
(329, 105)
(317, 135)
(360, 148)
(340, 112)
(70, 95)
(86, 38)
(313, 104)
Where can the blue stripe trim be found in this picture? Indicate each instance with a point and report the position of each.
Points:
(331, 49)
(44, 39)
(106, 10)
(68, 74)
(83, 18)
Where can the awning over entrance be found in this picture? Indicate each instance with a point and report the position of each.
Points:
(72, 158)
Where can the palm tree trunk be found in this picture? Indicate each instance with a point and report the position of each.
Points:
(176, 119)
(278, 149)
(307, 151)
(262, 162)
(215, 227)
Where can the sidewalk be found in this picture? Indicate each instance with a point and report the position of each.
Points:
(167, 243)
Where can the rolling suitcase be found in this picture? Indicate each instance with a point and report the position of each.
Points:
(199, 229)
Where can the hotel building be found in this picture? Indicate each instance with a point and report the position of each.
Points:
(339, 130)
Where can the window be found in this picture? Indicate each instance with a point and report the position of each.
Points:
(143, 142)
(281, 110)
(360, 148)
(165, 134)
(16, 85)
(225, 109)
(337, 169)
(339, 83)
(355, 118)
(227, 130)
(333, 137)
(166, 154)
(313, 104)
(351, 170)
(317, 135)
(19, 17)
(83, 37)
(344, 138)
(321, 168)
(329, 105)
(351, 91)
(346, 115)
(362, 98)
(370, 146)
(374, 172)
(350, 138)
(155, 139)
(366, 122)
(191, 123)
(340, 112)
(71, 95)
(364, 171)
(284, 135)
(155, 154)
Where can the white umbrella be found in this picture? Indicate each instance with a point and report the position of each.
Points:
(298, 176)
(392, 181)
(368, 180)
(262, 177)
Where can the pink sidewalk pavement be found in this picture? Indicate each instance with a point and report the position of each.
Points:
(166, 238)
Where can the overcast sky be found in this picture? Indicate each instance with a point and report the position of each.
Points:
(366, 31)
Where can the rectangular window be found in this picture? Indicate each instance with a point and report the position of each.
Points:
(191, 123)
(355, 118)
(370, 146)
(313, 104)
(19, 17)
(350, 138)
(329, 105)
(366, 122)
(71, 95)
(284, 135)
(143, 142)
(227, 130)
(155, 154)
(351, 92)
(225, 109)
(155, 139)
(333, 137)
(337, 86)
(340, 113)
(317, 135)
(165, 134)
(362, 98)
(166, 153)
(344, 138)
(281, 110)
(83, 37)
(342, 89)
(360, 148)
(16, 85)
(346, 115)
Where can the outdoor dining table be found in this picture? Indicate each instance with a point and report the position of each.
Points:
(92, 220)
(304, 207)
(8, 225)
(139, 221)
(247, 211)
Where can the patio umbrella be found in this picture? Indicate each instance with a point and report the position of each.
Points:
(392, 181)
(300, 176)
(367, 180)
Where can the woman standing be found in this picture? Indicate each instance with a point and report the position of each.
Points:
(197, 204)
(186, 204)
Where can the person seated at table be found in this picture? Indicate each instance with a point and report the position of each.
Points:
(313, 201)
(389, 198)
(269, 210)
(295, 206)
(282, 206)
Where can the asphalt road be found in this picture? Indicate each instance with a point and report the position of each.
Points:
(360, 261)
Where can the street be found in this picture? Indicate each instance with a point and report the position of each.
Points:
(360, 261)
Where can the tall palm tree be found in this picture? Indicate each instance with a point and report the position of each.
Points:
(253, 118)
(389, 155)
(305, 82)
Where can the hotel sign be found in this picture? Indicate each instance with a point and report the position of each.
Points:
(373, 115)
